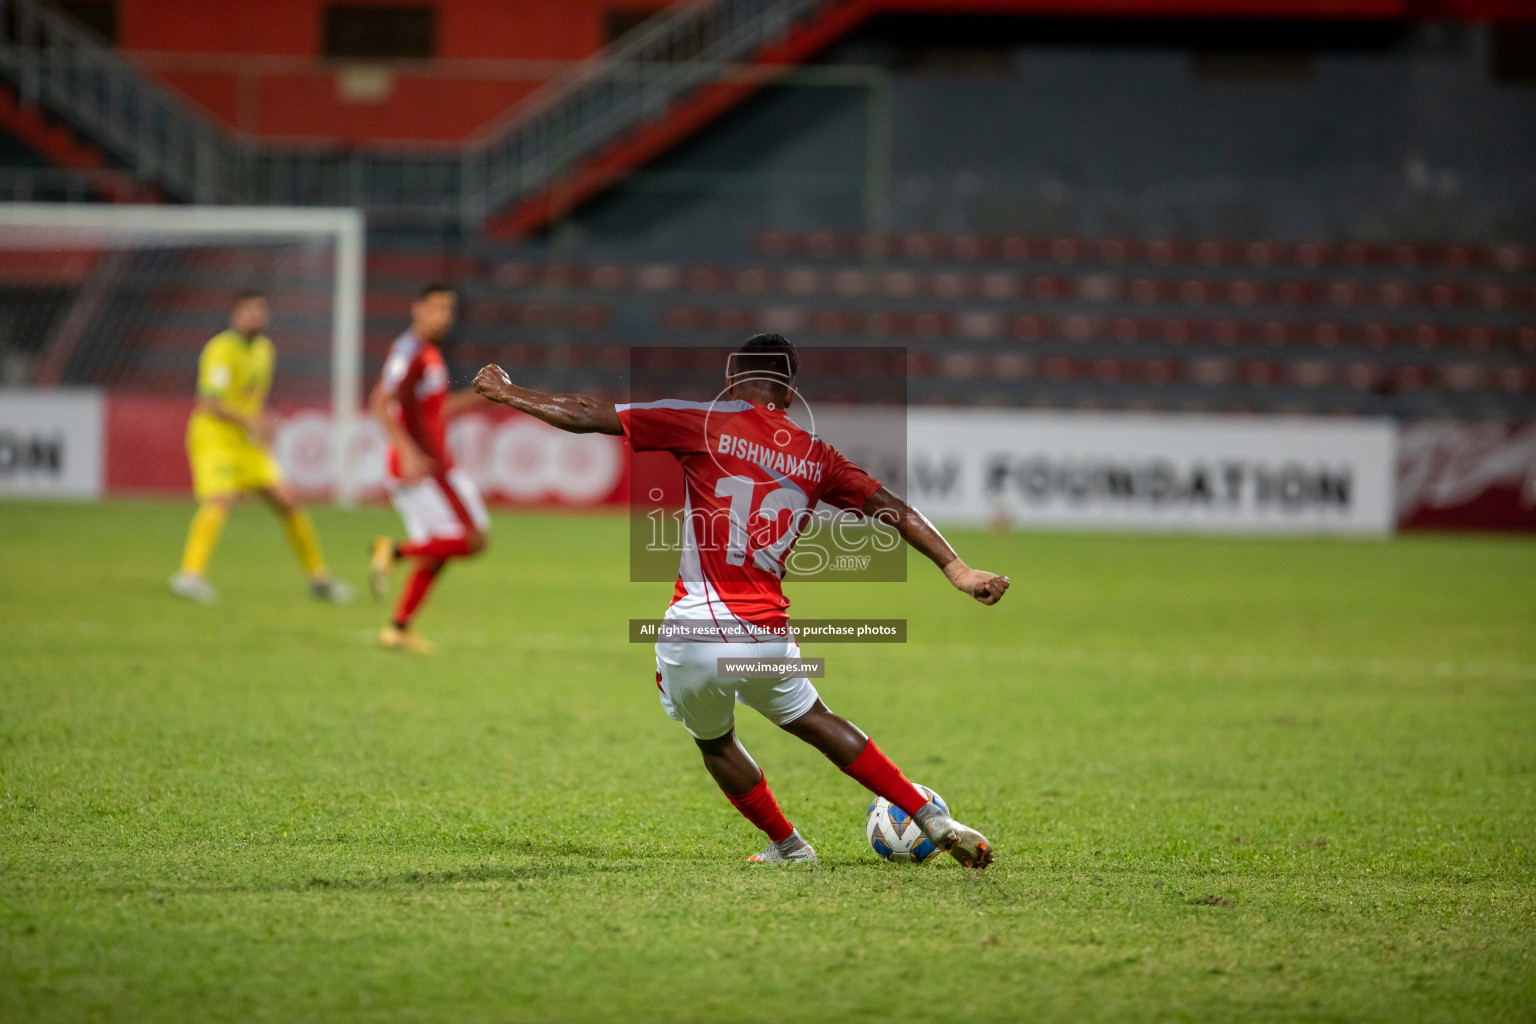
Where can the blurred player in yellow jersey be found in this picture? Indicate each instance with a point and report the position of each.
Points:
(227, 443)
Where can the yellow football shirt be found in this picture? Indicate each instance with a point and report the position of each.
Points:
(237, 372)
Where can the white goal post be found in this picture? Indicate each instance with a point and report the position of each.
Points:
(343, 227)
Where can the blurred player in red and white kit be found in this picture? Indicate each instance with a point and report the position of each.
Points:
(750, 467)
(444, 514)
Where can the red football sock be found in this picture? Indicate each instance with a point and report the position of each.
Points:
(759, 807)
(416, 587)
(437, 547)
(879, 774)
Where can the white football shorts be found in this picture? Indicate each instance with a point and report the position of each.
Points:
(693, 693)
(440, 508)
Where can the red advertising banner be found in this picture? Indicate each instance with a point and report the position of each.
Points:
(1466, 476)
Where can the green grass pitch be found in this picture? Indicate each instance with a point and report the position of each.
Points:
(1226, 779)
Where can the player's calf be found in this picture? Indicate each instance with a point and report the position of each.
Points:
(746, 787)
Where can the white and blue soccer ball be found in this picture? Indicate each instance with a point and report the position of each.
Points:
(895, 836)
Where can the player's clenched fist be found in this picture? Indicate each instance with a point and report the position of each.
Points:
(986, 587)
(490, 382)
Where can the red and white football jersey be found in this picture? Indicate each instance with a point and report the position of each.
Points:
(416, 377)
(753, 477)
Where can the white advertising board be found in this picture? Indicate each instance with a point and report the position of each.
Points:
(1239, 474)
(50, 444)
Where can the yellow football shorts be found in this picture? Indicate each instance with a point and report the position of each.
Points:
(221, 467)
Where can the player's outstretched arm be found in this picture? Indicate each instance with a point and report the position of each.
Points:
(459, 402)
(575, 413)
(916, 530)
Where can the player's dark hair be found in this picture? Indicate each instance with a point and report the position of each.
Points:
(766, 354)
(245, 295)
(435, 288)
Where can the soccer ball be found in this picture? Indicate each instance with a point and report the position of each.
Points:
(894, 836)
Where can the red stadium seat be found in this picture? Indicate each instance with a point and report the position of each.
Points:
(1067, 250)
(1013, 366)
(1363, 376)
(776, 243)
(1262, 373)
(1031, 326)
(825, 244)
(803, 281)
(1512, 378)
(1059, 368)
(1427, 336)
(1409, 377)
(1166, 251)
(1214, 253)
(961, 365)
(705, 279)
(657, 277)
(736, 320)
(1098, 288)
(685, 318)
(970, 247)
(589, 316)
(1128, 329)
(980, 325)
(1049, 288)
(999, 286)
(1016, 247)
(1210, 372)
(1359, 254)
(1379, 335)
(609, 277)
(1277, 332)
(1178, 331)
(1396, 294)
(901, 284)
(951, 285)
(1159, 371)
(850, 282)
(1312, 373)
(755, 280)
(1464, 377)
(1118, 250)
(834, 321)
(1229, 332)
(1081, 328)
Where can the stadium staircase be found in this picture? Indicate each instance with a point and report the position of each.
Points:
(610, 115)
(57, 145)
(562, 144)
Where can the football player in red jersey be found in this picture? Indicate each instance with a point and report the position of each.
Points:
(444, 514)
(746, 463)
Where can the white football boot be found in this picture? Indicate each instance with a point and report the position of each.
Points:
(792, 849)
(192, 588)
(331, 591)
(961, 842)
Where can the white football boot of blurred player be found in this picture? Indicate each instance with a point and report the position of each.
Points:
(332, 591)
(193, 588)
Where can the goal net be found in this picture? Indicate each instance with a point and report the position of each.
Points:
(118, 300)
